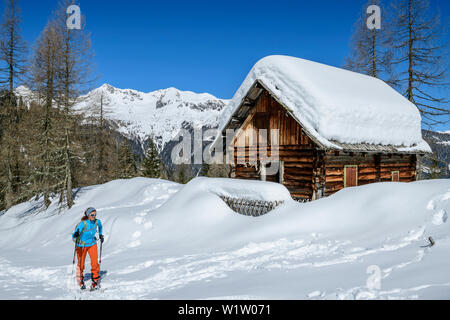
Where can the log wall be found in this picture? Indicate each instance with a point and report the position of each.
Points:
(308, 173)
(371, 168)
(296, 150)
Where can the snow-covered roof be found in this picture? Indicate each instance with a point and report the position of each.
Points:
(335, 106)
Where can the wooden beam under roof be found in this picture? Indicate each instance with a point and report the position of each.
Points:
(255, 92)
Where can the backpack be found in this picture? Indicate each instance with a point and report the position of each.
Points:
(84, 229)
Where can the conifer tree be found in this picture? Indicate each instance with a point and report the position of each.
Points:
(13, 48)
(12, 69)
(151, 166)
(183, 175)
(127, 162)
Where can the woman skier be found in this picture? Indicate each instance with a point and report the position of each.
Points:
(86, 242)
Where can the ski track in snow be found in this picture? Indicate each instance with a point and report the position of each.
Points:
(175, 272)
(155, 277)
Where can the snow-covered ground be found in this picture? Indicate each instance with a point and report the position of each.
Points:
(168, 241)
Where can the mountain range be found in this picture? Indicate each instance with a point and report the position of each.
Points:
(162, 114)
(438, 163)
(159, 115)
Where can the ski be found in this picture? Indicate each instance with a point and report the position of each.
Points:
(97, 288)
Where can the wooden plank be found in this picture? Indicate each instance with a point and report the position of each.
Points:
(280, 149)
(365, 182)
(304, 191)
(388, 176)
(396, 168)
(297, 147)
(367, 176)
(395, 164)
(297, 177)
(406, 174)
(298, 159)
(333, 188)
(368, 170)
(334, 172)
(245, 170)
(247, 173)
(308, 165)
(300, 171)
(334, 179)
(341, 165)
(296, 183)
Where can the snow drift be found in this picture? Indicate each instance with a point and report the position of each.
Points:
(168, 241)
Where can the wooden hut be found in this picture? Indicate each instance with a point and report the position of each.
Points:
(280, 93)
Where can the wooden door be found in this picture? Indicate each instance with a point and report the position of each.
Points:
(396, 176)
(350, 176)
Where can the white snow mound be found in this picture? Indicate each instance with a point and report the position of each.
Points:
(244, 189)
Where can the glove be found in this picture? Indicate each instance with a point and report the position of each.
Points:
(102, 238)
(76, 234)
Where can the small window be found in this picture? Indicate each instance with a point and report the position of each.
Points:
(396, 176)
(350, 176)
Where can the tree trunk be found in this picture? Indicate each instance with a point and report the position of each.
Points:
(410, 56)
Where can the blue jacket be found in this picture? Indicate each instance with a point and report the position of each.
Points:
(87, 238)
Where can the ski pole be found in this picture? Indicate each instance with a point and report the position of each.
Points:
(74, 255)
(101, 247)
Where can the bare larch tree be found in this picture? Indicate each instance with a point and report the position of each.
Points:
(422, 55)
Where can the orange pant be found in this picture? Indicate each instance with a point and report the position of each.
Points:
(93, 255)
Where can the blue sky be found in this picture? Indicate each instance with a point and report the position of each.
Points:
(204, 46)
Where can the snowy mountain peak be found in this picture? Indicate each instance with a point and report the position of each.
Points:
(160, 114)
(107, 88)
(25, 93)
(110, 92)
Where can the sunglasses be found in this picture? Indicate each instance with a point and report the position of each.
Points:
(93, 215)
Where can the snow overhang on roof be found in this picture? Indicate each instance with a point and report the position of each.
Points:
(337, 108)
